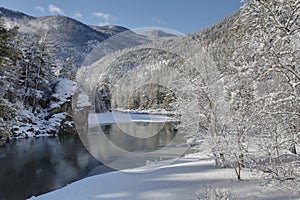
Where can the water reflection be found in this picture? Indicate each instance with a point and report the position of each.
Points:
(29, 167)
(120, 147)
(118, 135)
(38, 165)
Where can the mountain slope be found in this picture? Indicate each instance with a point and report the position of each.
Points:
(70, 38)
(47, 49)
(157, 34)
(13, 14)
(110, 30)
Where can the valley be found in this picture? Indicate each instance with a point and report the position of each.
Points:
(80, 100)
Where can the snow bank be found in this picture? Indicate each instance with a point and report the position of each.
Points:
(182, 180)
(47, 121)
(83, 101)
(64, 89)
(123, 117)
(147, 111)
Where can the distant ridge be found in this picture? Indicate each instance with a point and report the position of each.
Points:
(69, 37)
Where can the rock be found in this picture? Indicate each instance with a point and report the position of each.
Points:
(4, 136)
(63, 108)
(44, 103)
(67, 126)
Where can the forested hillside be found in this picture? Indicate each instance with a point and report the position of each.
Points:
(235, 84)
(32, 99)
(257, 125)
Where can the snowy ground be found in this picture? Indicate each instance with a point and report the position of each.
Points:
(181, 180)
(125, 117)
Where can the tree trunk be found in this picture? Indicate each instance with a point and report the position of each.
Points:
(293, 149)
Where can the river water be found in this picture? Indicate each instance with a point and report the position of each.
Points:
(33, 166)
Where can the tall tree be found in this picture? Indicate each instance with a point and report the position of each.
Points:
(36, 72)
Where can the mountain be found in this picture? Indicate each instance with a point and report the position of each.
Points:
(113, 53)
(13, 14)
(141, 77)
(69, 37)
(110, 30)
(156, 34)
(73, 39)
(218, 30)
(47, 52)
(142, 64)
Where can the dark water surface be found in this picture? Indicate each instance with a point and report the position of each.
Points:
(33, 166)
(37, 165)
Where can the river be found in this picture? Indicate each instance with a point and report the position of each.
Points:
(33, 166)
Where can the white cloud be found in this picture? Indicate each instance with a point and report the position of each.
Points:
(159, 21)
(77, 15)
(105, 16)
(55, 10)
(103, 23)
(39, 8)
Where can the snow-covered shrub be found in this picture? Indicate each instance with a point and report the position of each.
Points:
(211, 193)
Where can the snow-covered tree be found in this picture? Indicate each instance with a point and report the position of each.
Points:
(103, 95)
(258, 60)
(8, 58)
(262, 70)
(68, 70)
(35, 73)
(273, 29)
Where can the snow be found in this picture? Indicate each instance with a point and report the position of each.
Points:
(56, 119)
(83, 101)
(64, 90)
(46, 121)
(147, 111)
(64, 87)
(186, 178)
(124, 117)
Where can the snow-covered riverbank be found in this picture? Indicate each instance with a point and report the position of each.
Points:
(187, 178)
(118, 117)
(147, 111)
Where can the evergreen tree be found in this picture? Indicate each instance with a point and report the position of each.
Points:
(8, 58)
(68, 70)
(35, 73)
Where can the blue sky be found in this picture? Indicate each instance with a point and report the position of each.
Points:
(186, 16)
